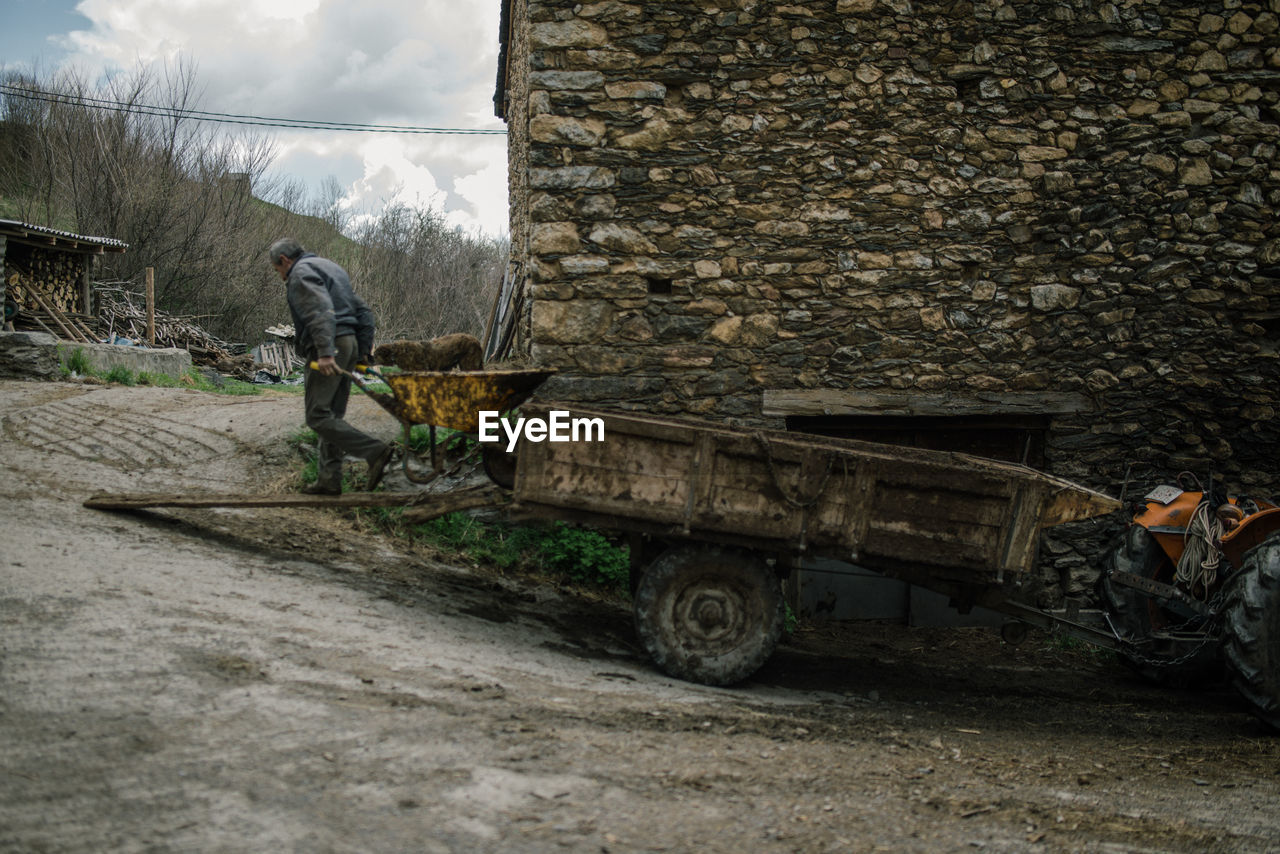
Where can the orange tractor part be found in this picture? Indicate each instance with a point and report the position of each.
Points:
(1168, 524)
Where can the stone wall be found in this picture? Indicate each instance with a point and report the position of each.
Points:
(717, 201)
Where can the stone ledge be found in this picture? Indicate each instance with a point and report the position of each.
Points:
(37, 355)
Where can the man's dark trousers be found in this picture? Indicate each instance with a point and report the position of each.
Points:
(326, 407)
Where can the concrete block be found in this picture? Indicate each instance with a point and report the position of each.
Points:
(172, 361)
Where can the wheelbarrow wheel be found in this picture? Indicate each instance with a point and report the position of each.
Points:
(500, 465)
(709, 615)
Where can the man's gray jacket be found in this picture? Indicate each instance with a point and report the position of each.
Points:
(324, 306)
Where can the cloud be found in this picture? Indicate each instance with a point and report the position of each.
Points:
(412, 62)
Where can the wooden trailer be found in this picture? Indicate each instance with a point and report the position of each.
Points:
(721, 514)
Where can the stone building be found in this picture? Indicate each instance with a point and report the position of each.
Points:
(1043, 231)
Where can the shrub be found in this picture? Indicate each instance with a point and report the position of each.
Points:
(122, 375)
(78, 362)
(579, 555)
(585, 556)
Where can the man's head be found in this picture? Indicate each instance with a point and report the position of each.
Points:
(282, 254)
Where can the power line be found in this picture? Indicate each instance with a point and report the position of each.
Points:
(32, 94)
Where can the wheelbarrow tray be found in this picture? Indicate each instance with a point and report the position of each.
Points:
(454, 399)
(882, 506)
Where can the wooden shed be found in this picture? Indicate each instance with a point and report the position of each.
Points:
(45, 273)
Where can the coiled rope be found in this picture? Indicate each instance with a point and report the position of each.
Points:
(1200, 556)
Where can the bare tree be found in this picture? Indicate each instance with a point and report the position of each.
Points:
(424, 277)
(126, 159)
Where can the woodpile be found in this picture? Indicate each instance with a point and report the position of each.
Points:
(120, 315)
(279, 356)
(52, 310)
(48, 290)
(53, 278)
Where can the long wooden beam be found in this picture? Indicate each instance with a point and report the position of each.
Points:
(846, 402)
(419, 506)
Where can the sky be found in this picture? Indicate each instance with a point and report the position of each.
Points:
(425, 63)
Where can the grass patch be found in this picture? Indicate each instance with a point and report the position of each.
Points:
(74, 362)
(1064, 646)
(568, 553)
(120, 374)
(560, 552)
(77, 363)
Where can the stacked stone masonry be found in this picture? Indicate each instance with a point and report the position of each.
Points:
(711, 200)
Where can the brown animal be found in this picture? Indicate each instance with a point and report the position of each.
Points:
(456, 350)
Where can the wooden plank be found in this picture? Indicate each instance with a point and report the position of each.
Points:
(659, 476)
(80, 325)
(912, 547)
(743, 493)
(786, 445)
(783, 402)
(423, 500)
(1074, 502)
(86, 285)
(1022, 528)
(56, 316)
(701, 475)
(895, 502)
(151, 306)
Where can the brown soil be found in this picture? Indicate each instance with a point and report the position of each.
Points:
(234, 680)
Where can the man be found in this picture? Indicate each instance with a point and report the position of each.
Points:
(334, 329)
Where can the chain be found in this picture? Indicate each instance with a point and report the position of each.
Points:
(1130, 649)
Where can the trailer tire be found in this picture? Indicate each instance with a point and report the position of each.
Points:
(1135, 617)
(1251, 630)
(709, 615)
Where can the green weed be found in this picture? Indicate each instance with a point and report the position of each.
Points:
(577, 555)
(77, 363)
(585, 556)
(122, 375)
(790, 621)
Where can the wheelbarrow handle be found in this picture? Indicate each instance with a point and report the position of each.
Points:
(360, 369)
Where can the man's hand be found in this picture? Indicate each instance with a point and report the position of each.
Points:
(327, 365)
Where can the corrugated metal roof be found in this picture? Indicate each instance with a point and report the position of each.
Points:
(45, 236)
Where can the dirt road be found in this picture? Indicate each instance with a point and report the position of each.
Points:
(223, 680)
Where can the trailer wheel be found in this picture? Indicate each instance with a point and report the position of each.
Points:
(1136, 617)
(1251, 630)
(709, 615)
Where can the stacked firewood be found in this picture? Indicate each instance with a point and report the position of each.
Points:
(45, 280)
(120, 314)
(45, 308)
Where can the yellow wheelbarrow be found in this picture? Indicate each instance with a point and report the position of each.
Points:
(452, 400)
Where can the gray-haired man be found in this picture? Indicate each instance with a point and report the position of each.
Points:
(333, 328)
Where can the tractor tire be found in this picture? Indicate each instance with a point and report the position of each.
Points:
(1135, 616)
(707, 614)
(1251, 630)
